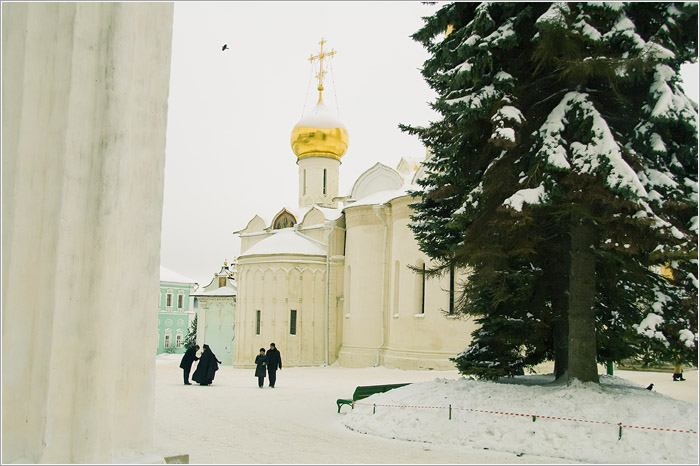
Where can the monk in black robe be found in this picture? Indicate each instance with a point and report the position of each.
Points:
(207, 367)
(188, 358)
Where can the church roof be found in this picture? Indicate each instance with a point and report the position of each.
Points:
(286, 241)
(320, 117)
(381, 197)
(298, 212)
(223, 291)
(328, 214)
(167, 275)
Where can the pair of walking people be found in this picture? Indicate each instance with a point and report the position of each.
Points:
(272, 360)
(206, 369)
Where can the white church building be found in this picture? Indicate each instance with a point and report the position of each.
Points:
(329, 281)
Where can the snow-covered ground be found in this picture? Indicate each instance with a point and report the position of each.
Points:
(235, 422)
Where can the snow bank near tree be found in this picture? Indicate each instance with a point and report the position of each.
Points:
(592, 435)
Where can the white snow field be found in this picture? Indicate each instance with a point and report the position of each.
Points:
(235, 422)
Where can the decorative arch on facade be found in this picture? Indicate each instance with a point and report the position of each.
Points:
(294, 284)
(376, 179)
(313, 217)
(256, 224)
(257, 286)
(227, 318)
(284, 219)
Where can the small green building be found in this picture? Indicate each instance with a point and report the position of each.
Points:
(216, 309)
(174, 311)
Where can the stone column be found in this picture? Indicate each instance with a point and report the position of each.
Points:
(84, 105)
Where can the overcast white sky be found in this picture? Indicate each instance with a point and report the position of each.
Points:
(231, 112)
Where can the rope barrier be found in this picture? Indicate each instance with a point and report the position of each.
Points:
(534, 417)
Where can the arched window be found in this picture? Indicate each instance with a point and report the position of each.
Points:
(452, 289)
(397, 281)
(179, 339)
(284, 220)
(420, 287)
(348, 295)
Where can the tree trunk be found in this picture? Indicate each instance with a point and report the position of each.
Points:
(559, 291)
(582, 339)
(560, 338)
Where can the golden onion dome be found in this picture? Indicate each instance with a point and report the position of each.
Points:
(319, 134)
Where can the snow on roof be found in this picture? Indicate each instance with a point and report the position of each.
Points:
(330, 214)
(286, 241)
(320, 117)
(223, 291)
(167, 275)
(381, 197)
(298, 213)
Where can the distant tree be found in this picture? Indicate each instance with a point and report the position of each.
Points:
(191, 337)
(563, 174)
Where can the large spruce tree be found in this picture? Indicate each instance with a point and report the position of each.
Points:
(564, 177)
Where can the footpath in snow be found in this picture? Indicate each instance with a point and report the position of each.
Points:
(235, 422)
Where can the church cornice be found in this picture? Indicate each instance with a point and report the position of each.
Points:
(363, 215)
(280, 259)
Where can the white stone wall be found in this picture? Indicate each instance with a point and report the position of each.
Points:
(382, 323)
(364, 320)
(419, 341)
(275, 286)
(311, 171)
(84, 106)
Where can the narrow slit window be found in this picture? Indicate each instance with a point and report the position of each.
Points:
(452, 289)
(293, 322)
(324, 181)
(422, 291)
(257, 323)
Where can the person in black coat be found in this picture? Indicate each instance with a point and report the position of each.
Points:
(207, 367)
(188, 358)
(260, 363)
(274, 361)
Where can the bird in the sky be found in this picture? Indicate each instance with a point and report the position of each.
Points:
(225, 47)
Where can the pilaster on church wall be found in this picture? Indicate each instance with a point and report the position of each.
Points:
(363, 305)
(336, 297)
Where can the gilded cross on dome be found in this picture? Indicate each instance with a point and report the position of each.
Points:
(321, 71)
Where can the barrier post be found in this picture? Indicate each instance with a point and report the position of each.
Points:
(450, 412)
(534, 418)
(374, 408)
(619, 435)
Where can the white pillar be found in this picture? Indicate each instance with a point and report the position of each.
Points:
(84, 104)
